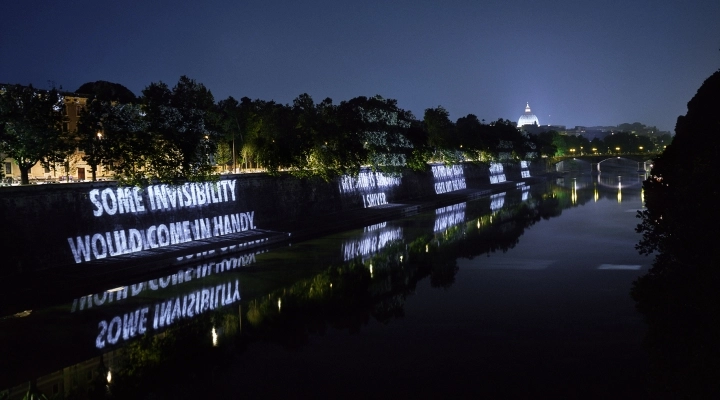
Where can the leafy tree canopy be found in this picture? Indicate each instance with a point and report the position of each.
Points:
(107, 91)
(30, 125)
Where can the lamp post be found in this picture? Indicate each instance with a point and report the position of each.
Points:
(95, 163)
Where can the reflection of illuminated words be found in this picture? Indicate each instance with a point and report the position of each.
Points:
(182, 276)
(446, 217)
(164, 314)
(375, 227)
(370, 244)
(497, 201)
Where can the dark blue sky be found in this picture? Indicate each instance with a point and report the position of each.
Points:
(577, 62)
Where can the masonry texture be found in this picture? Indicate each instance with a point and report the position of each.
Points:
(56, 226)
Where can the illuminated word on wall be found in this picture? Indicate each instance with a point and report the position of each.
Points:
(157, 198)
(372, 186)
(524, 171)
(448, 178)
(109, 244)
(497, 175)
(125, 200)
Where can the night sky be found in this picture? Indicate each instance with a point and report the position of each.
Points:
(576, 62)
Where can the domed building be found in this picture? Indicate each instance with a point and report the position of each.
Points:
(528, 118)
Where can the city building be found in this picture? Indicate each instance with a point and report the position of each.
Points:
(74, 169)
(528, 118)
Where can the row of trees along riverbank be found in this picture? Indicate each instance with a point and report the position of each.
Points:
(182, 133)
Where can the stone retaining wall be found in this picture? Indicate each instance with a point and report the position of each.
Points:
(93, 224)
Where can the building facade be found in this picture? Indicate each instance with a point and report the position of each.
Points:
(75, 169)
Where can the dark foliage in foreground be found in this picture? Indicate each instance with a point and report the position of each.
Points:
(680, 296)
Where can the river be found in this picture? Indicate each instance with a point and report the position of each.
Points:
(519, 294)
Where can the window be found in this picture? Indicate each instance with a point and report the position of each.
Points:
(8, 168)
(77, 109)
(47, 170)
(65, 127)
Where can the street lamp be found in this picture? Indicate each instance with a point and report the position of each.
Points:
(594, 150)
(617, 149)
(641, 149)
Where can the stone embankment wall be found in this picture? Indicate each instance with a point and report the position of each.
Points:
(94, 225)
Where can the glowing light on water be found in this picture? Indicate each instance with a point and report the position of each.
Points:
(642, 197)
(279, 304)
(597, 194)
(108, 378)
(371, 271)
(574, 191)
(214, 337)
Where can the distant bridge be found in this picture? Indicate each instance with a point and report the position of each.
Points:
(643, 160)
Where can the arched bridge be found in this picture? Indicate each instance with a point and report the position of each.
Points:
(596, 161)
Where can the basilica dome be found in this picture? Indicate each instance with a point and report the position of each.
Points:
(528, 118)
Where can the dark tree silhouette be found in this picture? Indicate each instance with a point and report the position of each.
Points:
(107, 91)
(679, 296)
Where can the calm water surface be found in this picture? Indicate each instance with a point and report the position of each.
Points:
(521, 294)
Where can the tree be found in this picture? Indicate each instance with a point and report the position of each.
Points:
(468, 133)
(319, 143)
(383, 126)
(597, 146)
(182, 124)
(441, 131)
(114, 135)
(30, 126)
(233, 119)
(545, 143)
(503, 138)
(625, 141)
(271, 136)
(679, 295)
(107, 91)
